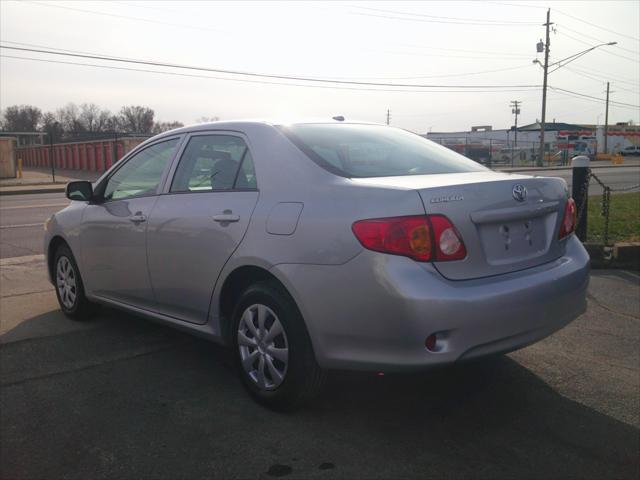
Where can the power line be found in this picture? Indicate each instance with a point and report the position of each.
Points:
(244, 80)
(518, 5)
(127, 17)
(635, 52)
(422, 20)
(462, 74)
(522, 55)
(254, 74)
(604, 75)
(597, 26)
(460, 19)
(603, 51)
(424, 54)
(620, 104)
(111, 67)
(567, 15)
(600, 80)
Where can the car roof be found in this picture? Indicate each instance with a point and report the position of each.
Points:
(241, 124)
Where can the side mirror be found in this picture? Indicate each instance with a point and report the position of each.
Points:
(80, 190)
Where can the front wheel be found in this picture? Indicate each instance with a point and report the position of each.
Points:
(69, 287)
(273, 350)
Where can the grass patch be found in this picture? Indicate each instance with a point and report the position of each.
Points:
(624, 218)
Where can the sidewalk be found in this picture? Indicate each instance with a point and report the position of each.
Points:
(41, 181)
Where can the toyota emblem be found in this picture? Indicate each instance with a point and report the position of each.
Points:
(519, 192)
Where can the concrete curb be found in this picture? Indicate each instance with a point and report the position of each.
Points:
(29, 190)
(622, 255)
(11, 183)
(4, 262)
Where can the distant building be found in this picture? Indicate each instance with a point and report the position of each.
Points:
(482, 142)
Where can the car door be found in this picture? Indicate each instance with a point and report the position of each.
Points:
(196, 226)
(113, 232)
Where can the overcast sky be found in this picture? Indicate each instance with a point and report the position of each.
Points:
(451, 44)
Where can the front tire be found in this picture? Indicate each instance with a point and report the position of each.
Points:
(272, 348)
(69, 286)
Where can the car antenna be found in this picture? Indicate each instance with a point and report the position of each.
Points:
(338, 118)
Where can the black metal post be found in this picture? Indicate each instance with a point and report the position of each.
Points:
(490, 153)
(51, 159)
(580, 193)
(114, 156)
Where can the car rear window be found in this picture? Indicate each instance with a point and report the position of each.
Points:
(355, 150)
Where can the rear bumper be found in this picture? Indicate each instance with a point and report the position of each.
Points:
(375, 311)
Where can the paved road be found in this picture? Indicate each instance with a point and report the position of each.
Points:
(119, 397)
(615, 177)
(21, 221)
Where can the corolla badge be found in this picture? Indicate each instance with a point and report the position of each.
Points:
(447, 198)
(519, 192)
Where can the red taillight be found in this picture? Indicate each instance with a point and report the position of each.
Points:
(423, 238)
(408, 236)
(569, 220)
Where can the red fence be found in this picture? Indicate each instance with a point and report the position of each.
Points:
(96, 156)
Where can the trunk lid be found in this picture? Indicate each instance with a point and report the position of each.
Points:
(507, 222)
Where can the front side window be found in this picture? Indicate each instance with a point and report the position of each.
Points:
(353, 150)
(214, 162)
(141, 174)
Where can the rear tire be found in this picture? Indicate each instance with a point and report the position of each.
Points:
(272, 348)
(69, 286)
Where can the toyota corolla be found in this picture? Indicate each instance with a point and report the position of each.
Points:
(313, 246)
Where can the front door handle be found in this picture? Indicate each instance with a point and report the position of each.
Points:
(226, 218)
(138, 218)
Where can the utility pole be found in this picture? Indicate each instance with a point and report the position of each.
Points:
(544, 89)
(515, 109)
(388, 116)
(606, 121)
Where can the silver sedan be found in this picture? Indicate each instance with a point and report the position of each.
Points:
(322, 245)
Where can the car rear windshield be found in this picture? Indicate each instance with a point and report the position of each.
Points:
(355, 150)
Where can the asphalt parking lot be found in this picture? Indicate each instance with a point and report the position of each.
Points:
(120, 397)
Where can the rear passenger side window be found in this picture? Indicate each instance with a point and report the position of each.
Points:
(214, 162)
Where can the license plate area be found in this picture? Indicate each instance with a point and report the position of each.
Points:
(514, 240)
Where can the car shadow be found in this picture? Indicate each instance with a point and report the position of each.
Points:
(123, 397)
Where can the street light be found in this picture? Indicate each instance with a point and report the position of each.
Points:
(558, 64)
(575, 56)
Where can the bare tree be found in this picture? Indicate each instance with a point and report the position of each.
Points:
(52, 125)
(136, 119)
(22, 118)
(207, 119)
(93, 118)
(114, 124)
(69, 116)
(160, 127)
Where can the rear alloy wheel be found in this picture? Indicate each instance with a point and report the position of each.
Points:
(273, 350)
(263, 347)
(69, 287)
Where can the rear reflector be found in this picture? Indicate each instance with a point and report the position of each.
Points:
(430, 342)
(448, 240)
(569, 219)
(421, 237)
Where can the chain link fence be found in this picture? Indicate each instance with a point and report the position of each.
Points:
(496, 153)
(604, 210)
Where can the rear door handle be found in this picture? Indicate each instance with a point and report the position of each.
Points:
(226, 218)
(138, 218)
